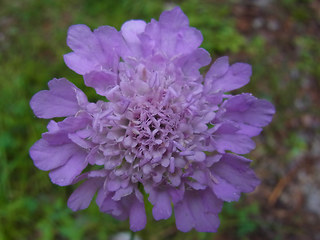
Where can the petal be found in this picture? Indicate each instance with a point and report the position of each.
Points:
(248, 130)
(225, 190)
(218, 68)
(184, 41)
(79, 64)
(173, 19)
(199, 210)
(171, 37)
(59, 135)
(236, 76)
(112, 46)
(237, 143)
(86, 47)
(108, 205)
(234, 176)
(161, 201)
(65, 174)
(47, 157)
(245, 108)
(102, 82)
(130, 31)
(191, 63)
(96, 50)
(184, 218)
(82, 196)
(137, 215)
(227, 138)
(80, 38)
(60, 100)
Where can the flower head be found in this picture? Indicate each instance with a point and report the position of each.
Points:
(164, 129)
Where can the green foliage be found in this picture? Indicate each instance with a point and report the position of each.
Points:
(242, 219)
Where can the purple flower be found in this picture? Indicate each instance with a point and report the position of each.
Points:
(164, 129)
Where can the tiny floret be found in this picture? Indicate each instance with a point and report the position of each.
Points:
(164, 130)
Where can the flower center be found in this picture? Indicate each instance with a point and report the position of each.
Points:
(150, 131)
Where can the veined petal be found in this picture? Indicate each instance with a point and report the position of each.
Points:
(137, 216)
(82, 196)
(65, 174)
(161, 201)
(59, 101)
(227, 138)
(101, 81)
(130, 31)
(234, 176)
(194, 212)
(93, 51)
(173, 19)
(223, 78)
(245, 108)
(47, 157)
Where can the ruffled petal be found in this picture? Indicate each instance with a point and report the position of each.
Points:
(108, 205)
(234, 176)
(137, 215)
(173, 19)
(227, 138)
(98, 50)
(101, 81)
(199, 210)
(79, 64)
(47, 157)
(221, 77)
(247, 109)
(60, 100)
(193, 62)
(171, 36)
(60, 134)
(161, 201)
(82, 196)
(130, 31)
(65, 174)
(218, 68)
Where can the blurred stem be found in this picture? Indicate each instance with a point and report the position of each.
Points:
(132, 235)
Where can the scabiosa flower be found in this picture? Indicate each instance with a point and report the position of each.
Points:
(164, 130)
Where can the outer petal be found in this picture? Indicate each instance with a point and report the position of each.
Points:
(247, 109)
(137, 215)
(173, 19)
(171, 36)
(92, 50)
(108, 205)
(234, 176)
(82, 196)
(60, 100)
(79, 64)
(81, 39)
(199, 210)
(112, 46)
(101, 81)
(161, 201)
(218, 68)
(47, 157)
(178, 43)
(86, 49)
(59, 135)
(191, 63)
(236, 76)
(130, 31)
(227, 138)
(65, 174)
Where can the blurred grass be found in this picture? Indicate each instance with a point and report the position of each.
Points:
(32, 43)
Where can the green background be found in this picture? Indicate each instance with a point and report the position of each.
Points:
(279, 38)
